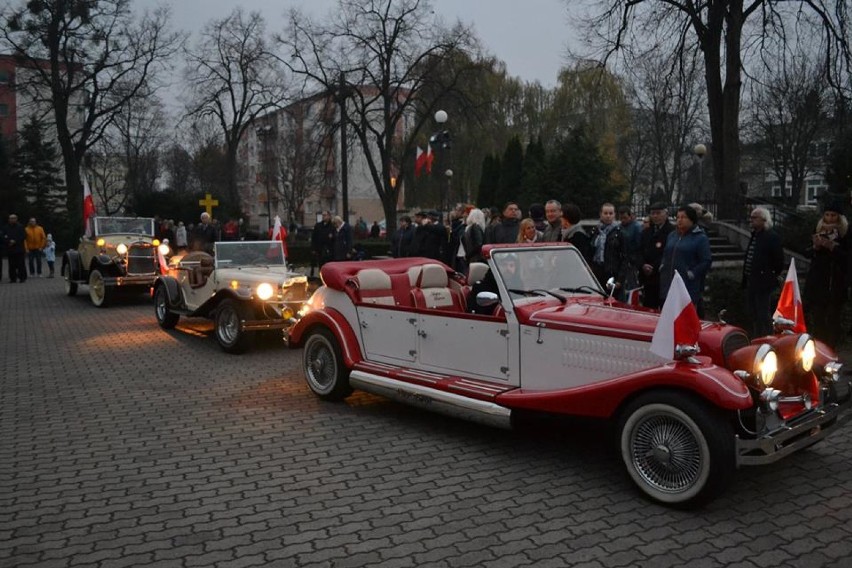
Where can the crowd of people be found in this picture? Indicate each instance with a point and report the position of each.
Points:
(641, 256)
(28, 248)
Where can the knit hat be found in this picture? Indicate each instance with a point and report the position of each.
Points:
(834, 206)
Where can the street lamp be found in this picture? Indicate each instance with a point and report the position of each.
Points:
(700, 150)
(442, 139)
(264, 132)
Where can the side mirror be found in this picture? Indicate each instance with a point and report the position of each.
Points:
(487, 299)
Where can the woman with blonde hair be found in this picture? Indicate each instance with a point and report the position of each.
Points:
(474, 236)
(527, 233)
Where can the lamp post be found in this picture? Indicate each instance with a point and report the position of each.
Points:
(442, 139)
(700, 150)
(264, 132)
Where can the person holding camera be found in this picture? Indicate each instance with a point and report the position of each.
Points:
(825, 287)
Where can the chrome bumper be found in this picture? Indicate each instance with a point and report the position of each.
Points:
(802, 433)
(133, 280)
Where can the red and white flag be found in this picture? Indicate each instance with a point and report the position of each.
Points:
(678, 323)
(790, 303)
(88, 206)
(634, 296)
(420, 162)
(279, 233)
(430, 157)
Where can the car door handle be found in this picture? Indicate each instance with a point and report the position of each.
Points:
(421, 333)
(364, 324)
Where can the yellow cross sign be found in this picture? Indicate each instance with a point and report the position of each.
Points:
(208, 203)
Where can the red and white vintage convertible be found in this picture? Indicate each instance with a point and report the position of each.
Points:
(556, 343)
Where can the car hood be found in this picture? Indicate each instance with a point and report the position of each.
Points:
(593, 316)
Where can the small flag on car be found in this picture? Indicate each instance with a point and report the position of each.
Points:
(678, 323)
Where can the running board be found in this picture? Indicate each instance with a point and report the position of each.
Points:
(450, 404)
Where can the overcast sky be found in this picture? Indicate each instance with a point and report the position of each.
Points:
(529, 35)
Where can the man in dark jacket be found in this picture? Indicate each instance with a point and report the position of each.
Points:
(430, 237)
(506, 231)
(402, 237)
(204, 235)
(609, 251)
(322, 241)
(14, 238)
(554, 213)
(572, 231)
(653, 244)
(344, 240)
(763, 263)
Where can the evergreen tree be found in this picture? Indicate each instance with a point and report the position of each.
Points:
(581, 172)
(36, 173)
(488, 181)
(511, 173)
(535, 182)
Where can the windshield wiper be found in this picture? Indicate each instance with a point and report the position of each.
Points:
(539, 292)
(584, 288)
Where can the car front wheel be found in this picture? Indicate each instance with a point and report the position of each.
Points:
(70, 287)
(677, 450)
(99, 292)
(165, 317)
(322, 362)
(229, 333)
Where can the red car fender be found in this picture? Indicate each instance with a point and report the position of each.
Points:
(337, 324)
(714, 384)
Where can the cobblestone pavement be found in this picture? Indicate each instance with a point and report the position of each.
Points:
(124, 445)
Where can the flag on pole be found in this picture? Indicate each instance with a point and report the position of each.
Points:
(88, 206)
(790, 303)
(678, 323)
(279, 233)
(634, 296)
(430, 157)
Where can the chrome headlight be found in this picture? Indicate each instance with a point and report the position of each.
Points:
(121, 249)
(766, 364)
(805, 352)
(265, 291)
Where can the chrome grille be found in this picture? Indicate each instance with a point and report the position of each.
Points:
(732, 342)
(141, 259)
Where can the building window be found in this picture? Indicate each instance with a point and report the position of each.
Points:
(4, 110)
(4, 77)
(776, 190)
(815, 188)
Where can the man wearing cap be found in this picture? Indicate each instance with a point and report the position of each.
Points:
(430, 237)
(653, 242)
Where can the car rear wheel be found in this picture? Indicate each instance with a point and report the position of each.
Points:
(99, 292)
(70, 287)
(165, 317)
(322, 362)
(229, 333)
(677, 450)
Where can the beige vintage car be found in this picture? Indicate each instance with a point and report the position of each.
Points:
(121, 254)
(244, 287)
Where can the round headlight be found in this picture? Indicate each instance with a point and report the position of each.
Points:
(766, 364)
(121, 248)
(806, 352)
(101, 242)
(163, 249)
(265, 291)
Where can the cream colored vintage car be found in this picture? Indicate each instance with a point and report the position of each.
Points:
(244, 287)
(121, 254)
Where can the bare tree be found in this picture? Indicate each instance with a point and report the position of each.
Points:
(86, 59)
(788, 108)
(380, 55)
(139, 130)
(107, 178)
(302, 150)
(718, 29)
(234, 78)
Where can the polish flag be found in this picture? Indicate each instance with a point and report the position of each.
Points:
(279, 233)
(161, 258)
(634, 296)
(790, 302)
(430, 157)
(678, 323)
(420, 162)
(88, 206)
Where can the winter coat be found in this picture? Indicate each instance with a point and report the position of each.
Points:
(826, 281)
(553, 232)
(17, 234)
(506, 231)
(689, 254)
(343, 242)
(35, 238)
(401, 241)
(473, 239)
(578, 237)
(767, 261)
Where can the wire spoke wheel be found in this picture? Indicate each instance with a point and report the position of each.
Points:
(666, 453)
(323, 366)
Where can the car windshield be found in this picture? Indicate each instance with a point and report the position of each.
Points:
(249, 253)
(545, 269)
(124, 225)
